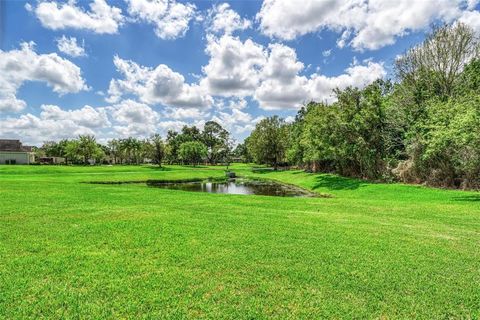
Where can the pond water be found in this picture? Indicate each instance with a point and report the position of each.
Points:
(236, 186)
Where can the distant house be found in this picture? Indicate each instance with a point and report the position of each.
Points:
(51, 160)
(13, 152)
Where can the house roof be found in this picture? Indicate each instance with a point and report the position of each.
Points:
(12, 145)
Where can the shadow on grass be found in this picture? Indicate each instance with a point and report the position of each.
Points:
(332, 182)
(469, 198)
(157, 168)
(194, 167)
(262, 170)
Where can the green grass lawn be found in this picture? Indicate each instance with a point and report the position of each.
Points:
(70, 249)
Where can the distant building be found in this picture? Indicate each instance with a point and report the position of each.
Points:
(13, 152)
(51, 160)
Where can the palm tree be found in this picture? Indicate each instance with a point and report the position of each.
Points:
(114, 150)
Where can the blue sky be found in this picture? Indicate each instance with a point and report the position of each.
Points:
(135, 67)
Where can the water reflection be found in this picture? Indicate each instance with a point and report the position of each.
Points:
(236, 186)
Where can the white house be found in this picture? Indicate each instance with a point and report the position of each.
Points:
(12, 152)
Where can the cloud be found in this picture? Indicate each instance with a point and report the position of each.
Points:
(126, 118)
(274, 95)
(234, 66)
(101, 18)
(232, 103)
(170, 18)
(134, 119)
(236, 121)
(191, 113)
(87, 116)
(130, 111)
(222, 19)
(171, 125)
(53, 123)
(160, 85)
(281, 86)
(320, 87)
(10, 103)
(472, 19)
(272, 75)
(362, 24)
(20, 66)
(288, 20)
(342, 41)
(70, 47)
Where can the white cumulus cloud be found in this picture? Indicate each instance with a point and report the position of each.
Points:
(54, 123)
(70, 47)
(369, 24)
(234, 66)
(222, 19)
(281, 85)
(273, 75)
(170, 18)
(160, 85)
(101, 18)
(134, 119)
(320, 86)
(472, 19)
(24, 64)
(87, 116)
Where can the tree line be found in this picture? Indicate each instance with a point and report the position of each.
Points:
(422, 128)
(191, 145)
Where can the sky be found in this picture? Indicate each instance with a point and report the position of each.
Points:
(136, 67)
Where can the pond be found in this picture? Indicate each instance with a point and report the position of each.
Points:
(237, 186)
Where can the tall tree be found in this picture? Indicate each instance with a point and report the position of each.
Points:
(435, 65)
(267, 143)
(115, 150)
(192, 152)
(173, 143)
(72, 151)
(217, 141)
(88, 148)
(158, 149)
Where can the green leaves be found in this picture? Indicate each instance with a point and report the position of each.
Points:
(268, 142)
(192, 152)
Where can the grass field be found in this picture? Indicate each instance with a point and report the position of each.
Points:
(76, 250)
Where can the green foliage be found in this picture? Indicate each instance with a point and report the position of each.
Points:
(157, 151)
(450, 140)
(72, 151)
(54, 149)
(296, 150)
(469, 81)
(268, 141)
(88, 148)
(192, 152)
(349, 136)
(241, 152)
(217, 141)
(131, 149)
(214, 137)
(115, 151)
